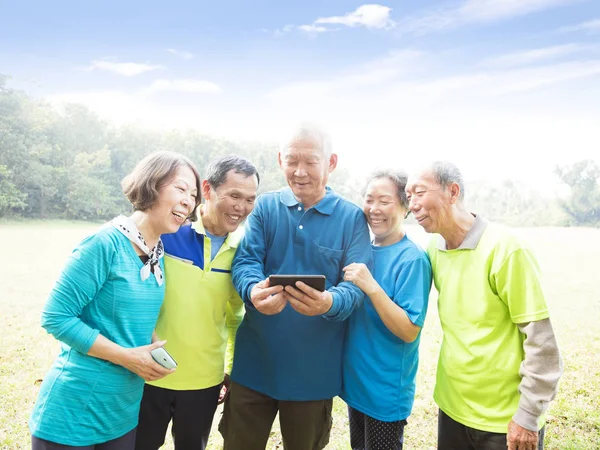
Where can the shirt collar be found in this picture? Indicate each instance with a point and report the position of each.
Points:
(232, 240)
(325, 206)
(472, 237)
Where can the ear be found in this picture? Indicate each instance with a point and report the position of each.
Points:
(205, 190)
(333, 159)
(279, 159)
(454, 190)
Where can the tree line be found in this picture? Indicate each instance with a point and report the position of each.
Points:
(68, 164)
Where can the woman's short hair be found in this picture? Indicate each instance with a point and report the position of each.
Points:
(141, 186)
(397, 177)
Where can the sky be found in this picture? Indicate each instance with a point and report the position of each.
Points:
(503, 88)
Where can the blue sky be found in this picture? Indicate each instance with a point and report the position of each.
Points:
(499, 86)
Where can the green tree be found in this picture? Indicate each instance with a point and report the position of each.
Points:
(583, 203)
(11, 199)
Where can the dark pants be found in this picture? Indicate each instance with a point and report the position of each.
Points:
(125, 442)
(367, 433)
(248, 417)
(456, 436)
(192, 413)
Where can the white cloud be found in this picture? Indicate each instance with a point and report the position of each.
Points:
(313, 29)
(127, 69)
(183, 54)
(370, 16)
(474, 11)
(285, 30)
(591, 26)
(184, 85)
(526, 57)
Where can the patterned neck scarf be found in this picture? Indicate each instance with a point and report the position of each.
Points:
(126, 226)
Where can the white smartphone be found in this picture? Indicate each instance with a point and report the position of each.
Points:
(162, 357)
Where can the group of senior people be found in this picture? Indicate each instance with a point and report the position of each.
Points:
(184, 276)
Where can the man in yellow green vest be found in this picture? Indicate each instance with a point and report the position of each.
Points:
(201, 311)
(499, 363)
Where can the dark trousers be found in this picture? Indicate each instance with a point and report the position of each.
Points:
(367, 433)
(125, 442)
(456, 436)
(192, 413)
(248, 417)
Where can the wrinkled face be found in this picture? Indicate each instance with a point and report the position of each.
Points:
(384, 211)
(306, 170)
(229, 204)
(428, 201)
(176, 201)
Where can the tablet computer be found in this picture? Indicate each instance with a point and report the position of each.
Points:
(314, 281)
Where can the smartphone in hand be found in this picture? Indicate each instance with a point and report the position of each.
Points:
(314, 281)
(162, 357)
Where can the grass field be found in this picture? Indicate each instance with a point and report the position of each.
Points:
(33, 255)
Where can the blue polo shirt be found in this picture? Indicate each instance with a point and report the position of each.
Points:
(290, 356)
(379, 367)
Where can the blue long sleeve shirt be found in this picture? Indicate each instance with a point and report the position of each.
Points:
(289, 356)
(85, 400)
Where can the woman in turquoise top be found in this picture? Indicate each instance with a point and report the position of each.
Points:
(103, 309)
(381, 351)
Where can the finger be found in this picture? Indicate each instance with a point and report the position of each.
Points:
(292, 292)
(349, 266)
(298, 306)
(266, 292)
(157, 344)
(263, 284)
(310, 291)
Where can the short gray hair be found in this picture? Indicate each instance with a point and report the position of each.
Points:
(218, 168)
(313, 133)
(447, 173)
(397, 177)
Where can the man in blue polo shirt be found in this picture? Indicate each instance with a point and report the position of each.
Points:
(288, 352)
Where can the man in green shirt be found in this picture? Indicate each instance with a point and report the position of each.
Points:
(499, 363)
(201, 311)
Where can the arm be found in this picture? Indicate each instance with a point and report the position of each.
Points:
(82, 278)
(405, 314)
(518, 284)
(346, 296)
(540, 371)
(247, 268)
(234, 315)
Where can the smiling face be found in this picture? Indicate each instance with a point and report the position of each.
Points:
(429, 202)
(229, 204)
(384, 211)
(176, 201)
(306, 170)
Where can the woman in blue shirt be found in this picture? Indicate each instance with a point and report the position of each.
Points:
(103, 309)
(381, 351)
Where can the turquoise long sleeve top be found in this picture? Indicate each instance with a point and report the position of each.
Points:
(85, 400)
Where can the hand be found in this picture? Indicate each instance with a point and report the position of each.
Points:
(307, 300)
(268, 300)
(359, 274)
(224, 390)
(519, 438)
(139, 361)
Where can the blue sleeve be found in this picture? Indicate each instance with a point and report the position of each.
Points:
(248, 267)
(82, 278)
(346, 295)
(411, 291)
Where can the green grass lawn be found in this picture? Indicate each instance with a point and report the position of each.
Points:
(34, 252)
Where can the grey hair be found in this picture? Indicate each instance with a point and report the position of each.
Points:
(218, 168)
(447, 173)
(397, 177)
(313, 133)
